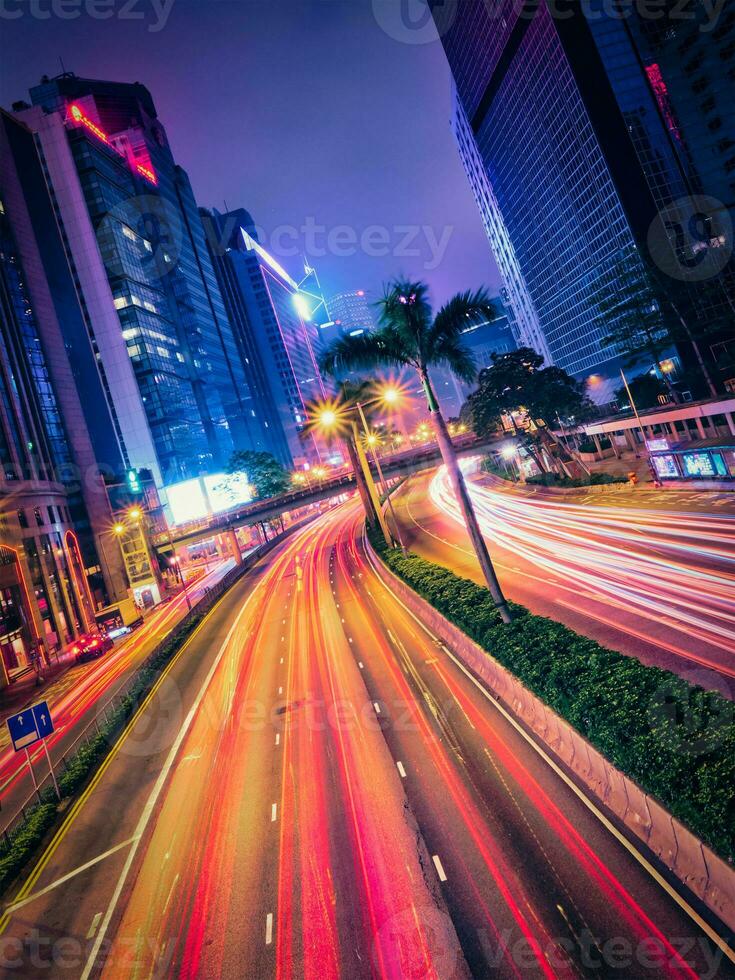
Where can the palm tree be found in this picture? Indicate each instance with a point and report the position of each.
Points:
(410, 335)
(344, 428)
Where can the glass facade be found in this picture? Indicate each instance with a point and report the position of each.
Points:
(187, 362)
(561, 215)
(244, 295)
(287, 344)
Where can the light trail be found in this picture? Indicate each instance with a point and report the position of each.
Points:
(667, 568)
(75, 696)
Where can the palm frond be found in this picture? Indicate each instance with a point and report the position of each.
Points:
(453, 353)
(464, 310)
(363, 352)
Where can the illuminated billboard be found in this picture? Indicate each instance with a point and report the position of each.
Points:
(197, 499)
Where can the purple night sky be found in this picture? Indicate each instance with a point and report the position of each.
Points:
(306, 112)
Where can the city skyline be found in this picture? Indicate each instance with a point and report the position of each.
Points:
(367, 614)
(428, 210)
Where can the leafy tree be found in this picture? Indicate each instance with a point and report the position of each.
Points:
(645, 389)
(410, 335)
(650, 315)
(263, 471)
(517, 383)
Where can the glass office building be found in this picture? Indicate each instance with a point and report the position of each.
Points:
(272, 313)
(552, 167)
(173, 379)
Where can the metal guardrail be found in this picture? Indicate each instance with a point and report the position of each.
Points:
(92, 729)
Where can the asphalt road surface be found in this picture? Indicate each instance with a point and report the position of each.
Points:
(317, 789)
(75, 698)
(653, 577)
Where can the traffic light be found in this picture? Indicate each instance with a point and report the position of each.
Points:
(133, 481)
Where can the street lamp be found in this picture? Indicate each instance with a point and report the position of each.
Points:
(336, 417)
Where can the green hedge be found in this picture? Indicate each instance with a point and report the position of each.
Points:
(593, 480)
(25, 842)
(675, 740)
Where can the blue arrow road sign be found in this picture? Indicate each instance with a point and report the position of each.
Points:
(30, 725)
(44, 724)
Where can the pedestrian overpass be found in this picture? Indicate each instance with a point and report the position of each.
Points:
(396, 465)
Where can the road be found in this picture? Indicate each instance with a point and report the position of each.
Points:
(76, 696)
(317, 789)
(654, 579)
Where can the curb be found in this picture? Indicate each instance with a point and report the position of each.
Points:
(693, 863)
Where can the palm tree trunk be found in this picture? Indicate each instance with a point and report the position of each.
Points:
(362, 489)
(449, 456)
(366, 477)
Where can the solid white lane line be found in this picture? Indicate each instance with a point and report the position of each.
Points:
(269, 929)
(439, 868)
(401, 770)
(274, 812)
(72, 874)
(591, 806)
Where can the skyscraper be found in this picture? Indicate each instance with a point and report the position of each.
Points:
(351, 311)
(561, 137)
(280, 340)
(171, 370)
(56, 566)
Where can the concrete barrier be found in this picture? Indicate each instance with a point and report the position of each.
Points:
(704, 873)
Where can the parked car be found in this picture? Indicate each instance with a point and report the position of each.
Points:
(89, 646)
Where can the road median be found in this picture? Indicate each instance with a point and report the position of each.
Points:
(656, 752)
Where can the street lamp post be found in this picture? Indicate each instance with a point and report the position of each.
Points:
(328, 419)
(382, 480)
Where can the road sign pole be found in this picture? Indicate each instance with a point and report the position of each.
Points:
(51, 768)
(33, 775)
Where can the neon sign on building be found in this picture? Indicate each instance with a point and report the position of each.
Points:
(78, 116)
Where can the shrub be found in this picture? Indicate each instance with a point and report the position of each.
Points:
(675, 740)
(25, 842)
(594, 479)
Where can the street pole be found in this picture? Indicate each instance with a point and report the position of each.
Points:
(383, 481)
(372, 491)
(183, 582)
(33, 775)
(51, 768)
(651, 467)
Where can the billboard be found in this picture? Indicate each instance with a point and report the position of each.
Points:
(197, 499)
